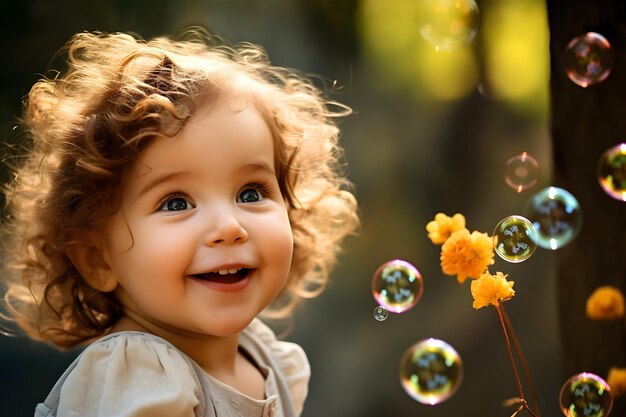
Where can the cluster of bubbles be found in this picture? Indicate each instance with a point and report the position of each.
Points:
(586, 395)
(448, 24)
(431, 371)
(553, 216)
(588, 59)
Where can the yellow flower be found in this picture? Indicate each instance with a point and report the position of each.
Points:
(491, 289)
(617, 381)
(605, 303)
(443, 226)
(466, 255)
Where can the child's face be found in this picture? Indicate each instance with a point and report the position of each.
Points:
(202, 242)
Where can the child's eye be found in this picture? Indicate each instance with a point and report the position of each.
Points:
(251, 194)
(175, 203)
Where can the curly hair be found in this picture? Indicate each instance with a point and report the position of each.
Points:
(88, 124)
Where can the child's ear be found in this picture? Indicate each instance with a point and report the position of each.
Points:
(88, 258)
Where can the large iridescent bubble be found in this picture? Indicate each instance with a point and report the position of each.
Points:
(588, 59)
(431, 371)
(514, 239)
(521, 172)
(397, 285)
(448, 24)
(586, 395)
(556, 216)
(612, 171)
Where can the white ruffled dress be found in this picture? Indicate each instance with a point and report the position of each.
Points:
(135, 374)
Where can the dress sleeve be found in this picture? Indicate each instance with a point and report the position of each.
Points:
(130, 376)
(292, 359)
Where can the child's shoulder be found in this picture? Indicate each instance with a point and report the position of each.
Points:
(122, 373)
(289, 355)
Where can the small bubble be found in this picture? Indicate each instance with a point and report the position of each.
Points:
(588, 59)
(556, 216)
(448, 24)
(514, 239)
(612, 171)
(397, 286)
(431, 371)
(380, 313)
(586, 395)
(521, 172)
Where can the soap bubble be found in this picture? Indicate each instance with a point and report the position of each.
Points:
(380, 313)
(397, 285)
(588, 59)
(612, 171)
(431, 371)
(586, 395)
(521, 172)
(514, 239)
(556, 216)
(448, 24)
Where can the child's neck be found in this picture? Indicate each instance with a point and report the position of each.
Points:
(220, 357)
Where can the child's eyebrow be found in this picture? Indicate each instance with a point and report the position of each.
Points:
(258, 166)
(159, 179)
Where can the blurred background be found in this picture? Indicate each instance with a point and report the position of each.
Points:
(436, 117)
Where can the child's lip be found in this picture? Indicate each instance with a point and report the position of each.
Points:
(224, 267)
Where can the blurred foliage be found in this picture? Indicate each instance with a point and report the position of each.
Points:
(507, 61)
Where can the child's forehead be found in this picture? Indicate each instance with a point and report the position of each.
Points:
(217, 121)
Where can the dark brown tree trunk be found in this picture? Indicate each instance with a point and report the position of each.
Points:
(585, 122)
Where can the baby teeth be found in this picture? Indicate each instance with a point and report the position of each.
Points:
(228, 271)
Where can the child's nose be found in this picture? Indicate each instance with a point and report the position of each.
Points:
(224, 228)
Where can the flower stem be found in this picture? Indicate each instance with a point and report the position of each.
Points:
(523, 404)
(510, 352)
(520, 355)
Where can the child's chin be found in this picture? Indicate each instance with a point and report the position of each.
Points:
(230, 328)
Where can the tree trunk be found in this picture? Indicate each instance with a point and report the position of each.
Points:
(586, 122)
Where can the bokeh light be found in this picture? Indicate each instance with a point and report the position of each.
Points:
(588, 59)
(612, 171)
(516, 65)
(514, 239)
(404, 61)
(521, 172)
(586, 395)
(556, 216)
(448, 24)
(431, 371)
(380, 313)
(397, 286)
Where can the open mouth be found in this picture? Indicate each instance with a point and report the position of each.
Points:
(225, 276)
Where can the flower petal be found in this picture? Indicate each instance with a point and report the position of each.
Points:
(491, 290)
(605, 303)
(617, 381)
(466, 255)
(440, 229)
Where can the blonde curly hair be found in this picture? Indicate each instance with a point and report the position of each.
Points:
(87, 126)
